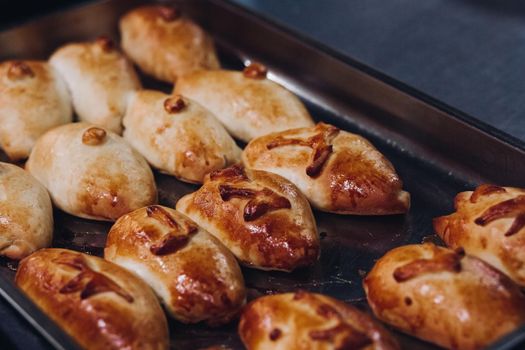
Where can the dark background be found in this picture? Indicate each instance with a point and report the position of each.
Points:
(468, 53)
(18, 11)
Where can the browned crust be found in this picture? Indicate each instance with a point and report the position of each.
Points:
(174, 104)
(254, 214)
(98, 303)
(488, 223)
(260, 202)
(88, 282)
(233, 173)
(255, 71)
(100, 196)
(450, 262)
(177, 237)
(166, 245)
(462, 307)
(94, 136)
(485, 190)
(320, 143)
(19, 70)
(166, 44)
(301, 320)
(338, 171)
(514, 208)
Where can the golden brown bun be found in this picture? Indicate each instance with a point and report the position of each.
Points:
(442, 296)
(26, 214)
(101, 305)
(247, 107)
(178, 136)
(196, 277)
(261, 217)
(308, 321)
(488, 223)
(165, 44)
(338, 171)
(33, 99)
(91, 172)
(100, 79)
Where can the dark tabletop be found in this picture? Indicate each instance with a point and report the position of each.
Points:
(467, 53)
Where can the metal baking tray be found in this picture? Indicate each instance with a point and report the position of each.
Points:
(437, 151)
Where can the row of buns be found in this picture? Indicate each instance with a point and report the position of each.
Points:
(454, 299)
(92, 172)
(437, 294)
(96, 80)
(186, 134)
(465, 296)
(257, 214)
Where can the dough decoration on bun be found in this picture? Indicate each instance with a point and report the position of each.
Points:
(261, 217)
(338, 171)
(489, 223)
(444, 296)
(91, 172)
(309, 321)
(178, 136)
(197, 278)
(99, 304)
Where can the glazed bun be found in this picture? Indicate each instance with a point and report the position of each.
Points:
(338, 171)
(262, 218)
(489, 223)
(196, 277)
(33, 99)
(91, 172)
(165, 44)
(443, 296)
(99, 304)
(308, 321)
(247, 103)
(26, 214)
(178, 136)
(100, 79)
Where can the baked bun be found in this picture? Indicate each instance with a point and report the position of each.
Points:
(308, 321)
(489, 223)
(165, 44)
(178, 136)
(33, 99)
(26, 214)
(99, 304)
(92, 173)
(197, 278)
(262, 218)
(247, 103)
(100, 79)
(443, 296)
(338, 171)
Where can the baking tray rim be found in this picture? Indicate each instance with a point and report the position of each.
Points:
(380, 76)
